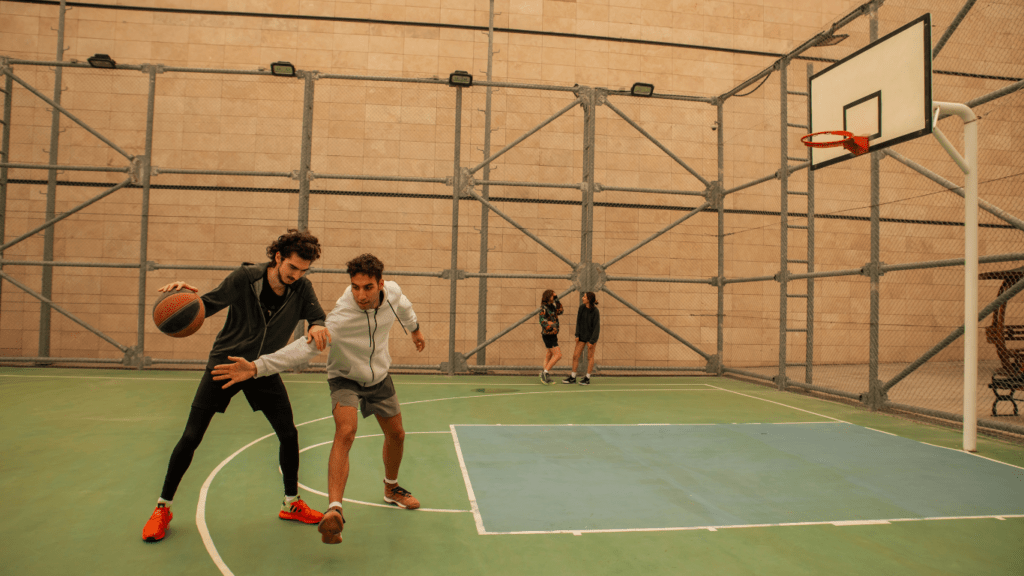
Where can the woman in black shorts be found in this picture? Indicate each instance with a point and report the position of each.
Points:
(550, 310)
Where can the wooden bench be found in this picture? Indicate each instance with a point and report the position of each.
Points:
(1009, 378)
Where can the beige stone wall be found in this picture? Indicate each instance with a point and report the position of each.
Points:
(253, 123)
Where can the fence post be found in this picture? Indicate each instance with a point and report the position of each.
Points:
(147, 172)
(783, 276)
(875, 396)
(307, 147)
(481, 314)
(5, 147)
(456, 194)
(809, 350)
(51, 193)
(587, 204)
(720, 281)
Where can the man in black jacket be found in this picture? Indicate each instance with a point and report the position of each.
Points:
(264, 302)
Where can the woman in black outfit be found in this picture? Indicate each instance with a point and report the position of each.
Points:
(588, 328)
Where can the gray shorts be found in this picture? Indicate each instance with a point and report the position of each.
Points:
(379, 399)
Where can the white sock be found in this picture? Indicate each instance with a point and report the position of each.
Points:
(166, 503)
(588, 376)
(545, 371)
(334, 505)
(390, 481)
(289, 499)
(573, 374)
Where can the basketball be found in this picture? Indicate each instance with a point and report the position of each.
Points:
(179, 314)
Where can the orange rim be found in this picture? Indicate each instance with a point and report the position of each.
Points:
(846, 136)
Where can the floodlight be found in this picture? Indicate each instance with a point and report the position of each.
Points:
(101, 61)
(282, 69)
(832, 39)
(641, 89)
(460, 78)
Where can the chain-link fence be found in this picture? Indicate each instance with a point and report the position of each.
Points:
(712, 247)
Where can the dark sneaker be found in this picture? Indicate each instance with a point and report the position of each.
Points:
(331, 525)
(395, 494)
(156, 527)
(585, 381)
(545, 379)
(569, 380)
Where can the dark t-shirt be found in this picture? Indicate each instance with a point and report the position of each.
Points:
(270, 302)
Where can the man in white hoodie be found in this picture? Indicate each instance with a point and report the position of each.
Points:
(357, 372)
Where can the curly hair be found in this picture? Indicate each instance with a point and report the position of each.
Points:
(592, 298)
(365, 264)
(547, 296)
(302, 244)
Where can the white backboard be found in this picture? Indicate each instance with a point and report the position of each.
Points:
(883, 91)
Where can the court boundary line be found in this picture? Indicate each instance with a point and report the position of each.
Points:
(716, 528)
(711, 528)
(226, 571)
(779, 404)
(373, 504)
(204, 531)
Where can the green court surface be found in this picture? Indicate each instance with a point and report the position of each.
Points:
(659, 475)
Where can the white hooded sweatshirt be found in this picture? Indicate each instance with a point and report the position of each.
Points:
(359, 339)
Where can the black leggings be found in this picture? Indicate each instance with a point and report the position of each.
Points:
(280, 418)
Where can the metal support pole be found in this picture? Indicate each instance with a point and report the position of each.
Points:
(720, 332)
(307, 148)
(809, 354)
(5, 147)
(587, 205)
(147, 173)
(875, 397)
(51, 192)
(456, 194)
(481, 310)
(783, 277)
(969, 164)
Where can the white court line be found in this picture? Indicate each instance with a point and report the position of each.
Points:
(212, 550)
(204, 531)
(469, 485)
(960, 450)
(778, 403)
(716, 528)
(373, 504)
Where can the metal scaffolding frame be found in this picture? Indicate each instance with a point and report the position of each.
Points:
(585, 274)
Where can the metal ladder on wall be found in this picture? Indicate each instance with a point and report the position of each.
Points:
(806, 224)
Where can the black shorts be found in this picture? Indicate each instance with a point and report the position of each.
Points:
(550, 340)
(260, 392)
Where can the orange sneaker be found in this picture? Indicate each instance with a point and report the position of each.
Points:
(331, 525)
(298, 510)
(156, 528)
(395, 494)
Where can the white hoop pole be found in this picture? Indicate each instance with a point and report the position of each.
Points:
(969, 165)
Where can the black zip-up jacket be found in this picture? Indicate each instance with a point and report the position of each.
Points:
(588, 324)
(246, 331)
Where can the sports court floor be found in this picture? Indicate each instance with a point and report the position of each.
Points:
(659, 475)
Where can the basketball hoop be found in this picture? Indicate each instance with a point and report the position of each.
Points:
(857, 145)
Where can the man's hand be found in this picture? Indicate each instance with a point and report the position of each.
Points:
(175, 286)
(321, 335)
(419, 341)
(240, 371)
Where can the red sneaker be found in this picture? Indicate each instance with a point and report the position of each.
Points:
(298, 510)
(395, 494)
(156, 528)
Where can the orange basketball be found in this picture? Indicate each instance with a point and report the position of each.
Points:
(179, 313)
